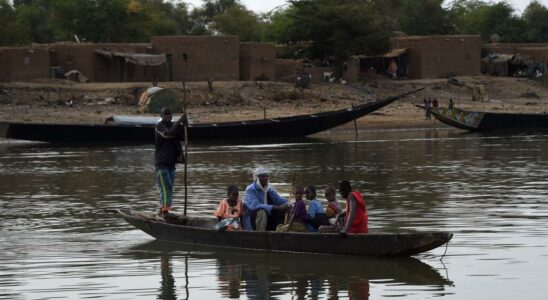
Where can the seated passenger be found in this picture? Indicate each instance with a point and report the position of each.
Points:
(299, 217)
(315, 210)
(229, 211)
(333, 209)
(356, 212)
(263, 207)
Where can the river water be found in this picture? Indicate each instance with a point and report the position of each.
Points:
(59, 237)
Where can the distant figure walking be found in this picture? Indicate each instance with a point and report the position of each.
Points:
(451, 104)
(427, 109)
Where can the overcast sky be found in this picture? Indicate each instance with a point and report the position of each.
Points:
(267, 5)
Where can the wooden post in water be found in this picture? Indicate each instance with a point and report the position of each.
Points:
(186, 148)
(355, 124)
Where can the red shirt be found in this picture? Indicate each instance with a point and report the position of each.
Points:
(359, 224)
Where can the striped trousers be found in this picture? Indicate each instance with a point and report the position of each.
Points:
(165, 178)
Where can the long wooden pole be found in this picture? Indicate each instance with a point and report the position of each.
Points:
(287, 217)
(186, 147)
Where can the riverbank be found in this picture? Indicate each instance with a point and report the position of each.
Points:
(92, 103)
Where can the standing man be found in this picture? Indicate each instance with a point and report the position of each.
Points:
(168, 152)
(263, 206)
(356, 213)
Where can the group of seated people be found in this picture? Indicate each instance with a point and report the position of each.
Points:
(263, 209)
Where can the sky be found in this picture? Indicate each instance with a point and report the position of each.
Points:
(267, 5)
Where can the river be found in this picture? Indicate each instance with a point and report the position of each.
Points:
(59, 237)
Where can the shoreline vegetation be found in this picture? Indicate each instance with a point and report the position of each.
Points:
(91, 103)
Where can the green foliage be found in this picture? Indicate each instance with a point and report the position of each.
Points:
(237, 20)
(11, 32)
(332, 29)
(535, 17)
(487, 20)
(278, 26)
(338, 29)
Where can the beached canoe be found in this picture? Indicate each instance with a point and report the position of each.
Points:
(294, 126)
(482, 121)
(200, 231)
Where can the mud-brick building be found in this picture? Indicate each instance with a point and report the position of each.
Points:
(199, 58)
(21, 64)
(441, 56)
(535, 51)
(99, 63)
(257, 61)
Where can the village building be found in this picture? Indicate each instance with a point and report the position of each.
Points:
(441, 56)
(23, 63)
(199, 58)
(257, 61)
(225, 58)
(514, 59)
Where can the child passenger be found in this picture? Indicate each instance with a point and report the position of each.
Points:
(299, 216)
(333, 209)
(229, 211)
(315, 210)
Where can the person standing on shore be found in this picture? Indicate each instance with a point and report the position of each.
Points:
(427, 108)
(168, 152)
(451, 104)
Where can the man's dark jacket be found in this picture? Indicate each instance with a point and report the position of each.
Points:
(168, 137)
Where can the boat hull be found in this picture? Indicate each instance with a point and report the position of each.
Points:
(404, 244)
(485, 121)
(297, 126)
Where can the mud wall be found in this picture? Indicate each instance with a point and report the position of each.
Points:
(508, 48)
(441, 56)
(538, 54)
(23, 64)
(197, 58)
(351, 70)
(257, 61)
(285, 69)
(81, 57)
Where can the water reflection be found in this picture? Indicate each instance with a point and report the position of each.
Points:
(58, 239)
(273, 275)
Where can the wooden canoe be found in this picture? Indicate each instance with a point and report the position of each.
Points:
(295, 126)
(200, 231)
(483, 121)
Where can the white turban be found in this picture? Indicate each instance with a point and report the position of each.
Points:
(260, 171)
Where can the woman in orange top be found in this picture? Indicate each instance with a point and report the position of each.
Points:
(230, 210)
(356, 213)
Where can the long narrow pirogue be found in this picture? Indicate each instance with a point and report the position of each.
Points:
(484, 121)
(201, 231)
(295, 126)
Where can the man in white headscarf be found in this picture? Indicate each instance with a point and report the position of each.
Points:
(263, 206)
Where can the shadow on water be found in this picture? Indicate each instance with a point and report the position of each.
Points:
(261, 275)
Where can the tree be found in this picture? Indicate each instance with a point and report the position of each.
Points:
(202, 17)
(486, 19)
(338, 29)
(10, 32)
(535, 17)
(423, 17)
(237, 20)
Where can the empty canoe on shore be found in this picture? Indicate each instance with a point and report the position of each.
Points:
(295, 126)
(200, 231)
(482, 121)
